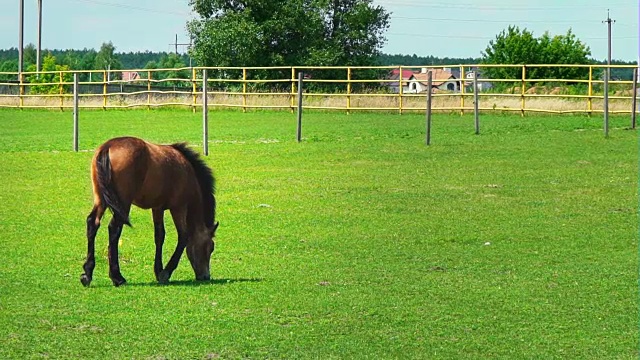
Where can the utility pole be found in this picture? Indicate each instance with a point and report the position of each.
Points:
(190, 44)
(20, 38)
(181, 44)
(609, 21)
(38, 56)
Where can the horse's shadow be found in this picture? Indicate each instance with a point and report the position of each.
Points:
(189, 283)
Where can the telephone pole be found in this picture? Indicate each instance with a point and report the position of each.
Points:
(176, 44)
(609, 21)
(38, 56)
(189, 45)
(20, 37)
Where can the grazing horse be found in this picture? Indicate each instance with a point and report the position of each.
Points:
(129, 170)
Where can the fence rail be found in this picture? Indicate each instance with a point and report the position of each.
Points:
(371, 88)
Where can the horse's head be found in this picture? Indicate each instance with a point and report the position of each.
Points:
(199, 251)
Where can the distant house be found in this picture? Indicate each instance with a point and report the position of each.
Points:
(470, 75)
(130, 75)
(395, 75)
(441, 80)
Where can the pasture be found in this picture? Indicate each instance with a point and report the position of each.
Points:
(359, 242)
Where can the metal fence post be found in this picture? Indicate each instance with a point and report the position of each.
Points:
(429, 95)
(75, 112)
(606, 104)
(299, 129)
(205, 114)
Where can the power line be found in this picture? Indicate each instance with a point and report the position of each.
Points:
(488, 37)
(490, 20)
(474, 6)
(131, 7)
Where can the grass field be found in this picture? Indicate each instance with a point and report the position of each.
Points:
(359, 242)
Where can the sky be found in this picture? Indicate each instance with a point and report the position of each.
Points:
(442, 28)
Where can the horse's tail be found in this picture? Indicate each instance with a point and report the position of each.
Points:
(104, 186)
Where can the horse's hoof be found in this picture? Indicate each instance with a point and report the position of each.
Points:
(163, 278)
(118, 282)
(85, 280)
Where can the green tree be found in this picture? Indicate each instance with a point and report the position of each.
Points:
(29, 55)
(515, 46)
(287, 32)
(9, 66)
(47, 82)
(564, 49)
(511, 46)
(106, 59)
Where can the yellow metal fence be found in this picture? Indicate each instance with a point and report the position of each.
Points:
(332, 88)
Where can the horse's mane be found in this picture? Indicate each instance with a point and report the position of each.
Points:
(205, 178)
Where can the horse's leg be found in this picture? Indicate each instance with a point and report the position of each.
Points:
(180, 220)
(93, 224)
(158, 227)
(115, 230)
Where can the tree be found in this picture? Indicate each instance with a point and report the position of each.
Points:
(49, 77)
(511, 46)
(515, 46)
(287, 32)
(106, 58)
(29, 55)
(564, 49)
(173, 62)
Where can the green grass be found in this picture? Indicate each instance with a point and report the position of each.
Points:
(359, 242)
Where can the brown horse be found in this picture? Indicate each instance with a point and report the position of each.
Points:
(129, 170)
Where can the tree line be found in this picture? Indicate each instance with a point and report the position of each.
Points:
(270, 33)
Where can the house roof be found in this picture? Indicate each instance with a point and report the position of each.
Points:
(130, 75)
(439, 76)
(406, 74)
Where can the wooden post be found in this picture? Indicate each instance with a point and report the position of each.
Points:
(523, 89)
(400, 90)
(61, 87)
(21, 79)
(104, 90)
(429, 95)
(205, 114)
(244, 90)
(634, 98)
(194, 86)
(149, 90)
(475, 103)
(299, 129)
(589, 99)
(293, 87)
(462, 76)
(75, 112)
(348, 89)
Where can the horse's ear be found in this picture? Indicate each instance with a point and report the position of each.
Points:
(214, 228)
